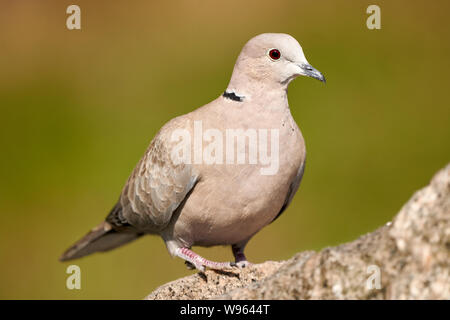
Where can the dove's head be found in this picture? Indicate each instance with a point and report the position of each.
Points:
(271, 59)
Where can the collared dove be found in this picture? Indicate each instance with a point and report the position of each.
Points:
(192, 199)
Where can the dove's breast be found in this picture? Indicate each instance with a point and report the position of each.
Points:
(231, 202)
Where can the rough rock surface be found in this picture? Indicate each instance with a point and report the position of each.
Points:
(406, 259)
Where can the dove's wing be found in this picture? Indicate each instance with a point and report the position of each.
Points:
(156, 187)
(152, 193)
(292, 190)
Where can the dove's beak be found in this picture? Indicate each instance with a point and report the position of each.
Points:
(309, 71)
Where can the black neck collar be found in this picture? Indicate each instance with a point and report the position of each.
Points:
(233, 96)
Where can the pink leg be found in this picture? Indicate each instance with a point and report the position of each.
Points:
(199, 262)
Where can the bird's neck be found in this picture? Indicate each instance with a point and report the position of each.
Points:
(270, 95)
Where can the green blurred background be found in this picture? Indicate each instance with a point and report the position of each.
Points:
(78, 109)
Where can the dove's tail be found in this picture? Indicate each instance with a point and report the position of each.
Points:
(101, 238)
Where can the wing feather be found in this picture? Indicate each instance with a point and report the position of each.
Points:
(157, 185)
(292, 190)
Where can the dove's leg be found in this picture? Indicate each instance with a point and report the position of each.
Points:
(239, 256)
(199, 262)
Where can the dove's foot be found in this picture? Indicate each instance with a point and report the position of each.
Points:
(239, 256)
(243, 264)
(193, 260)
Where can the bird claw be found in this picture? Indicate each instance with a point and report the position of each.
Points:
(232, 265)
(242, 264)
(191, 266)
(226, 266)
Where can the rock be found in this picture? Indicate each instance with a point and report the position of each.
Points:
(406, 259)
(213, 283)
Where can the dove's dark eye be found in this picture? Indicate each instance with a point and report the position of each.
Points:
(274, 54)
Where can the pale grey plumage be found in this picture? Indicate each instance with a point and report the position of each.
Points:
(215, 204)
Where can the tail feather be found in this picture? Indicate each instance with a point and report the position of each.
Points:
(101, 238)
